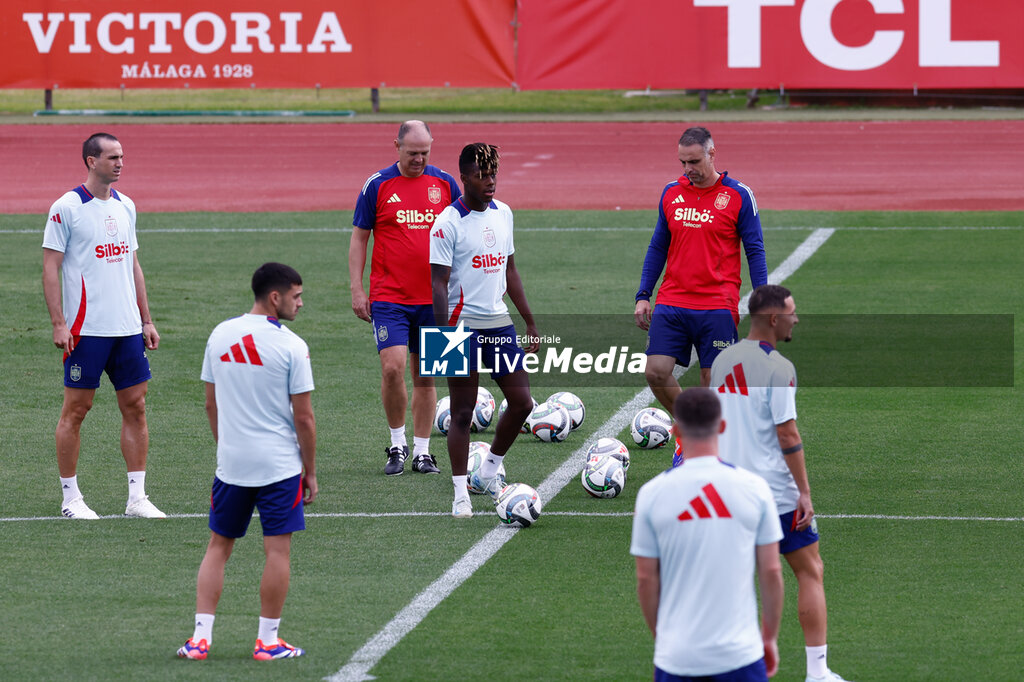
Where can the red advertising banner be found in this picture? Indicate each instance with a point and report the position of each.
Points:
(862, 44)
(260, 43)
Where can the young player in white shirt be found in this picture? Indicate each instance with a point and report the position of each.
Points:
(757, 389)
(96, 295)
(698, 532)
(472, 267)
(259, 384)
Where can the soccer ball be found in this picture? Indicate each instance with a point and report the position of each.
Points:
(484, 410)
(525, 428)
(478, 451)
(571, 402)
(518, 505)
(603, 476)
(613, 447)
(550, 422)
(443, 415)
(651, 428)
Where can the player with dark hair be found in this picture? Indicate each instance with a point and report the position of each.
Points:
(94, 144)
(703, 217)
(398, 206)
(757, 389)
(698, 532)
(259, 385)
(96, 295)
(472, 266)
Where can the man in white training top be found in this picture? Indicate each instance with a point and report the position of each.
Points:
(259, 386)
(698, 533)
(96, 295)
(757, 388)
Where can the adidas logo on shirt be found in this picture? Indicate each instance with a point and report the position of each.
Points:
(393, 199)
(679, 200)
(56, 218)
(735, 381)
(439, 234)
(700, 508)
(236, 354)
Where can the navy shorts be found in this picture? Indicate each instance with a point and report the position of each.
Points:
(793, 539)
(123, 358)
(755, 672)
(497, 349)
(675, 331)
(395, 324)
(280, 506)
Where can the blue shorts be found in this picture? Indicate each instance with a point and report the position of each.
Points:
(395, 324)
(498, 350)
(123, 358)
(793, 539)
(280, 506)
(675, 331)
(755, 672)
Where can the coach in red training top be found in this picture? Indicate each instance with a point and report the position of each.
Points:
(702, 218)
(398, 205)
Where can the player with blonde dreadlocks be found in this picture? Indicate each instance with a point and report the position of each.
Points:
(485, 156)
(471, 269)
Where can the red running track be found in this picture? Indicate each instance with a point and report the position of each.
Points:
(832, 166)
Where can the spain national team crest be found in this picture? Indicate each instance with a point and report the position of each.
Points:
(721, 201)
(489, 239)
(75, 373)
(111, 226)
(434, 195)
(382, 333)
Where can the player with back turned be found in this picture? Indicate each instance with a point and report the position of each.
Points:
(471, 267)
(398, 205)
(259, 385)
(698, 533)
(757, 389)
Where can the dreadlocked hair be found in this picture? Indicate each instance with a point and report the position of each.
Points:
(480, 154)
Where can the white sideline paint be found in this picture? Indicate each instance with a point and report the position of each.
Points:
(346, 230)
(414, 514)
(358, 667)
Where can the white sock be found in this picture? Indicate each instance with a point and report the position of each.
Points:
(817, 661)
(204, 628)
(268, 630)
(136, 485)
(490, 465)
(461, 491)
(69, 486)
(420, 446)
(398, 436)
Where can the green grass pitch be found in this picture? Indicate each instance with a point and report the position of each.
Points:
(912, 599)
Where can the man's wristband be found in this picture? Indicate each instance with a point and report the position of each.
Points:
(145, 322)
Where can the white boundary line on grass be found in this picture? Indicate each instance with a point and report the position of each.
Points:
(346, 230)
(368, 655)
(414, 514)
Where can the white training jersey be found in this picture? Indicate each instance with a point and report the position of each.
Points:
(703, 522)
(476, 245)
(757, 389)
(256, 365)
(97, 238)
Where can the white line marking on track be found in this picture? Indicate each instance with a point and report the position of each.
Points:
(368, 655)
